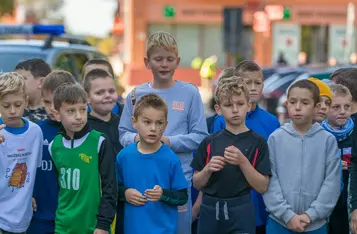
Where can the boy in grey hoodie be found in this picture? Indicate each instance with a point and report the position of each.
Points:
(306, 168)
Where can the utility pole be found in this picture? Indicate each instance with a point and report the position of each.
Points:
(349, 30)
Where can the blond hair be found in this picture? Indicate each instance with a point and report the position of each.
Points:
(228, 87)
(339, 89)
(10, 83)
(161, 39)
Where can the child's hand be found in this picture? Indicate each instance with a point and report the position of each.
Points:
(100, 231)
(34, 204)
(295, 224)
(134, 197)
(305, 220)
(216, 164)
(2, 138)
(234, 156)
(344, 165)
(154, 194)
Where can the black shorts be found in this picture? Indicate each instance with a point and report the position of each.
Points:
(226, 216)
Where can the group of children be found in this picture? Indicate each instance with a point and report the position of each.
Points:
(70, 174)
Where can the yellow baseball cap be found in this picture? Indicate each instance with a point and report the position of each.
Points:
(323, 87)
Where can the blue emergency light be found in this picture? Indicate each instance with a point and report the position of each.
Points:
(54, 30)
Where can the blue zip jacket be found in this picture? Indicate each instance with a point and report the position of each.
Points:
(46, 187)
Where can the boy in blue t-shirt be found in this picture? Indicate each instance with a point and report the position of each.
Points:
(150, 177)
(257, 120)
(46, 187)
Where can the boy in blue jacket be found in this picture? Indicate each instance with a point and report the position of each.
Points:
(46, 187)
(301, 195)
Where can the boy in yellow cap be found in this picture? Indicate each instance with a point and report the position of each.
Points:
(324, 105)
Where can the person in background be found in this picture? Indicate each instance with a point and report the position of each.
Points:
(106, 66)
(229, 163)
(225, 73)
(99, 85)
(324, 105)
(296, 202)
(151, 198)
(102, 97)
(34, 71)
(340, 124)
(21, 152)
(46, 187)
(348, 77)
(186, 121)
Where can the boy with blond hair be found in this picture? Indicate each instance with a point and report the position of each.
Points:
(229, 163)
(340, 124)
(186, 121)
(21, 153)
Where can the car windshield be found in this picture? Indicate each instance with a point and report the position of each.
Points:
(8, 61)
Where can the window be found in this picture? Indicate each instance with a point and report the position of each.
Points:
(65, 62)
(195, 40)
(79, 61)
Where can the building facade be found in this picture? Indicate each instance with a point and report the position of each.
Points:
(317, 28)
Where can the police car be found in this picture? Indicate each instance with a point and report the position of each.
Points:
(59, 50)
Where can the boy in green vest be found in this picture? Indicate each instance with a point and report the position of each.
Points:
(83, 159)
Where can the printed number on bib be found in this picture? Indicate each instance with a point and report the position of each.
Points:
(70, 178)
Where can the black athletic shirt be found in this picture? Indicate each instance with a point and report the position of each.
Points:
(230, 182)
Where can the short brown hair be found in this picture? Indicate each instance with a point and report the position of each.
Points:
(57, 78)
(92, 75)
(226, 73)
(37, 67)
(99, 61)
(10, 83)
(309, 85)
(161, 39)
(338, 89)
(247, 66)
(231, 86)
(69, 94)
(150, 100)
(347, 77)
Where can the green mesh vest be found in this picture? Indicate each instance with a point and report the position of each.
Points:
(79, 181)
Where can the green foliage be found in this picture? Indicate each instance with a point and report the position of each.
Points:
(6, 7)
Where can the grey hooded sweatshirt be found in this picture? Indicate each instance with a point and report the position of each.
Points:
(306, 175)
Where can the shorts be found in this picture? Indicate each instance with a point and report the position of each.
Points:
(41, 226)
(232, 215)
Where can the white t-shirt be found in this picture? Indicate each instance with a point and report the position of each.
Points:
(20, 155)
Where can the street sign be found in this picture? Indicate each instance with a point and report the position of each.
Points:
(169, 11)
